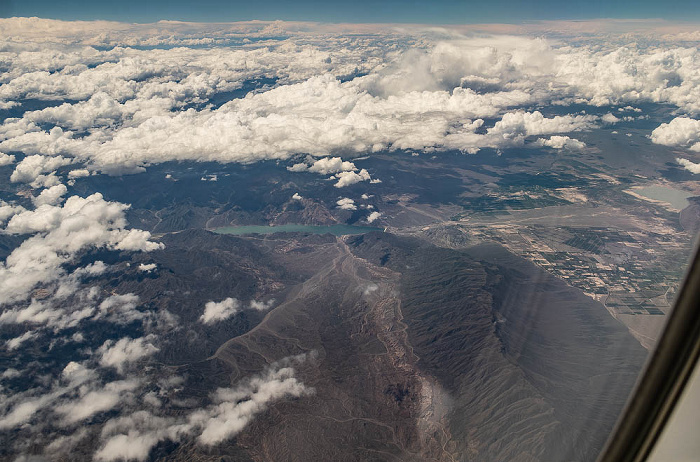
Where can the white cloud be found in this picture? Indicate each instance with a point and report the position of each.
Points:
(681, 131)
(133, 445)
(31, 168)
(330, 165)
(297, 197)
(350, 178)
(218, 311)
(609, 118)
(15, 343)
(346, 204)
(261, 306)
(147, 267)
(344, 171)
(236, 407)
(120, 309)
(76, 396)
(561, 142)
(24, 411)
(299, 167)
(65, 444)
(8, 210)
(10, 373)
(60, 232)
(51, 196)
(36, 313)
(318, 116)
(688, 165)
(125, 350)
(77, 373)
(79, 173)
(373, 216)
(95, 401)
(520, 124)
(6, 159)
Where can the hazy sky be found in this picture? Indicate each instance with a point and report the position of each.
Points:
(408, 11)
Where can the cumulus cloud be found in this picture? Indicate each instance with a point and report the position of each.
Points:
(66, 444)
(126, 350)
(218, 311)
(24, 411)
(6, 159)
(147, 267)
(78, 173)
(59, 233)
(370, 288)
(74, 397)
(561, 142)
(120, 309)
(51, 196)
(297, 197)
(688, 165)
(96, 401)
(77, 373)
(346, 204)
(8, 210)
(681, 132)
(236, 407)
(299, 167)
(31, 169)
(521, 124)
(350, 178)
(372, 217)
(10, 373)
(344, 171)
(142, 431)
(260, 305)
(609, 118)
(329, 165)
(15, 343)
(21, 408)
(46, 313)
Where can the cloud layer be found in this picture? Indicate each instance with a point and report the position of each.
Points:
(131, 108)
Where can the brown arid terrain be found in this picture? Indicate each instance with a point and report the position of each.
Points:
(414, 352)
